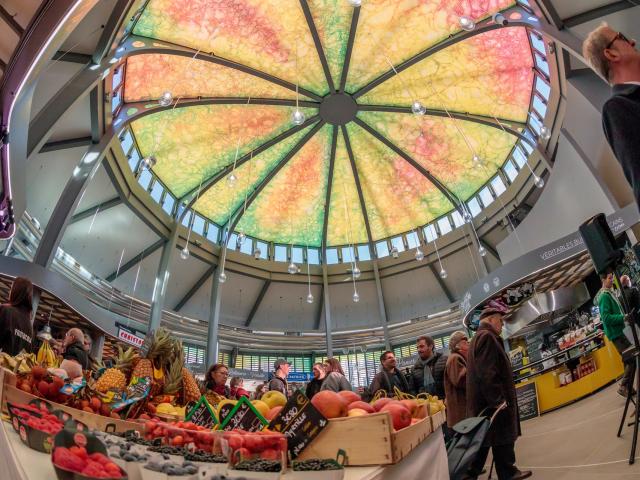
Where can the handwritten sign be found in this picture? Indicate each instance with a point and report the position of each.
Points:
(244, 416)
(202, 414)
(527, 396)
(299, 421)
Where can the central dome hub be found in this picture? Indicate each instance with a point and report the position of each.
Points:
(338, 108)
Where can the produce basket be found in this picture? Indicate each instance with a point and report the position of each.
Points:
(329, 469)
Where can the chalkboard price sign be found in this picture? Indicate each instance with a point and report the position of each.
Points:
(202, 414)
(299, 421)
(527, 396)
(244, 416)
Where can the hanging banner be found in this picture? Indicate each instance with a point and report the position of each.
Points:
(130, 336)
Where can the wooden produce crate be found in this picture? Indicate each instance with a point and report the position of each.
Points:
(438, 419)
(367, 440)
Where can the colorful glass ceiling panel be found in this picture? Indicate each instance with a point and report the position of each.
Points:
(392, 31)
(269, 35)
(490, 74)
(290, 209)
(149, 76)
(440, 146)
(193, 143)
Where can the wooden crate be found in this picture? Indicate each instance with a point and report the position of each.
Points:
(367, 440)
(438, 419)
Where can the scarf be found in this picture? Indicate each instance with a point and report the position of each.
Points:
(428, 382)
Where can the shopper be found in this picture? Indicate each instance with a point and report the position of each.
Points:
(315, 384)
(236, 388)
(614, 57)
(16, 328)
(631, 295)
(216, 379)
(279, 380)
(74, 357)
(428, 371)
(490, 384)
(613, 321)
(455, 378)
(260, 391)
(335, 380)
(389, 377)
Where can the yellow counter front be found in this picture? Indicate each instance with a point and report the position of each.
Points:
(552, 395)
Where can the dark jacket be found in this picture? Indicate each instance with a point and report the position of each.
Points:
(489, 383)
(313, 387)
(16, 331)
(436, 363)
(278, 384)
(621, 124)
(336, 382)
(632, 296)
(382, 381)
(76, 352)
(455, 386)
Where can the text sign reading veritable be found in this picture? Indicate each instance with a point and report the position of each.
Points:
(244, 416)
(202, 414)
(299, 421)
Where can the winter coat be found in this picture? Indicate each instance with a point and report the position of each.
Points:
(278, 384)
(489, 383)
(382, 381)
(436, 363)
(455, 387)
(336, 382)
(16, 331)
(237, 392)
(313, 387)
(610, 313)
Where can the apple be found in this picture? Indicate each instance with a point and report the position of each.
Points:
(362, 406)
(357, 412)
(273, 398)
(410, 405)
(273, 413)
(381, 402)
(349, 396)
(329, 404)
(400, 416)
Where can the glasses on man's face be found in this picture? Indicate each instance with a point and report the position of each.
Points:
(619, 36)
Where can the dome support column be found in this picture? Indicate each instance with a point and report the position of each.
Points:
(162, 279)
(327, 309)
(214, 319)
(381, 306)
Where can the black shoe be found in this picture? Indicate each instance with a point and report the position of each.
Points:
(623, 391)
(522, 474)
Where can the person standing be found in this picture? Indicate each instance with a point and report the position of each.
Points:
(455, 378)
(428, 371)
(613, 321)
(335, 380)
(75, 357)
(16, 328)
(315, 384)
(216, 380)
(615, 58)
(236, 389)
(389, 377)
(279, 380)
(631, 295)
(489, 385)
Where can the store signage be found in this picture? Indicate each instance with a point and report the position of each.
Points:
(130, 337)
(299, 421)
(244, 416)
(527, 396)
(247, 374)
(299, 377)
(407, 362)
(202, 414)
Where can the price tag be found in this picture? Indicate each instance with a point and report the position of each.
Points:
(202, 414)
(244, 416)
(299, 421)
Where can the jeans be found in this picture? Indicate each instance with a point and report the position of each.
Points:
(504, 458)
(621, 343)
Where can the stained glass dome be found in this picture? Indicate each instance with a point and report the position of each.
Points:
(362, 166)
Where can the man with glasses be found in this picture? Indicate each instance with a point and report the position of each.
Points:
(614, 56)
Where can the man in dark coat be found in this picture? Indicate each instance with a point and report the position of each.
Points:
(315, 384)
(489, 384)
(428, 371)
(389, 377)
(615, 58)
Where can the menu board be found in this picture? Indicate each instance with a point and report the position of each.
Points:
(244, 416)
(299, 421)
(527, 395)
(202, 414)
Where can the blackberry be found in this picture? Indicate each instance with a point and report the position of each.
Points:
(259, 465)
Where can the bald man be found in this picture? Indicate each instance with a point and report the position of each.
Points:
(631, 295)
(75, 358)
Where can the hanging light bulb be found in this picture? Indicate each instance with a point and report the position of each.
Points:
(538, 181)
(165, 99)
(256, 253)
(222, 277)
(149, 162)
(292, 268)
(443, 273)
(356, 272)
(419, 255)
(417, 108)
(297, 117)
(394, 252)
(356, 297)
(355, 3)
(482, 251)
(466, 216)
(467, 23)
(184, 253)
(241, 238)
(477, 161)
(545, 133)
(231, 179)
(310, 298)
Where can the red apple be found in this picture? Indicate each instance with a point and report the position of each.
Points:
(400, 416)
(410, 405)
(330, 404)
(271, 414)
(362, 405)
(381, 402)
(349, 396)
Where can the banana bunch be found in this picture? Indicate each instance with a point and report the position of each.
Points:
(21, 363)
(46, 357)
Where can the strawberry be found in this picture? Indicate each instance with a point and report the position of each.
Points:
(79, 452)
(63, 458)
(101, 458)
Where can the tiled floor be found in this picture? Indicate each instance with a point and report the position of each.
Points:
(579, 442)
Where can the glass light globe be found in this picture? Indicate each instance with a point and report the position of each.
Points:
(467, 23)
(256, 253)
(539, 181)
(356, 272)
(466, 216)
(297, 117)
(231, 179)
(184, 253)
(310, 298)
(222, 277)
(292, 268)
(419, 255)
(241, 238)
(394, 252)
(417, 108)
(355, 3)
(149, 162)
(443, 273)
(477, 161)
(356, 297)
(545, 133)
(482, 251)
(165, 99)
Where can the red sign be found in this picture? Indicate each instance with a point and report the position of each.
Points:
(130, 338)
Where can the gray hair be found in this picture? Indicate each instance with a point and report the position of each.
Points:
(593, 50)
(455, 339)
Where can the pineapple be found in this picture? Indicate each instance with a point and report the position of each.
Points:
(116, 378)
(159, 349)
(173, 379)
(190, 389)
